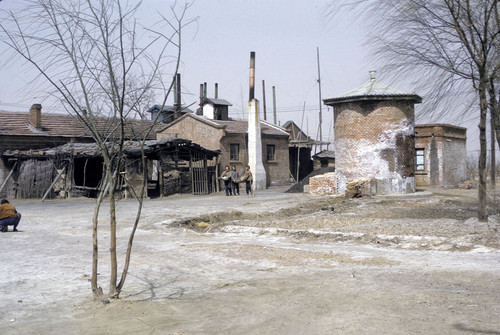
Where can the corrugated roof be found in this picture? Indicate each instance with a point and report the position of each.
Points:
(64, 125)
(373, 90)
(325, 154)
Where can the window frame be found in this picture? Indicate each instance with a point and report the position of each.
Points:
(419, 166)
(232, 155)
(273, 151)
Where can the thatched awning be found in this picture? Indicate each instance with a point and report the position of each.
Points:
(152, 148)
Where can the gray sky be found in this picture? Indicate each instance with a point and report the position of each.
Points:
(284, 35)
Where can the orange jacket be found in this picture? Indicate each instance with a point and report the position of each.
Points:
(7, 211)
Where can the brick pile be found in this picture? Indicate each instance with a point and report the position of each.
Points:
(323, 184)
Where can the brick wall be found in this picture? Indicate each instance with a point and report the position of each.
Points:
(276, 171)
(217, 139)
(375, 139)
(194, 130)
(445, 155)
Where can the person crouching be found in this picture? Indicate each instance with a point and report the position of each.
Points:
(9, 216)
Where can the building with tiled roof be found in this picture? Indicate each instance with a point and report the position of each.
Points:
(231, 138)
(36, 130)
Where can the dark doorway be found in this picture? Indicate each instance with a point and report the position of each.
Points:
(87, 172)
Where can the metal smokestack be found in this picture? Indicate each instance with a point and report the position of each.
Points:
(177, 95)
(252, 76)
(216, 91)
(274, 104)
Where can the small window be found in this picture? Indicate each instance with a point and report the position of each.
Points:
(420, 159)
(234, 152)
(271, 149)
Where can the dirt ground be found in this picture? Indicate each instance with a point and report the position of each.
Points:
(276, 263)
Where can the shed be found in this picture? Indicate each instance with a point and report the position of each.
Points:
(173, 166)
(323, 159)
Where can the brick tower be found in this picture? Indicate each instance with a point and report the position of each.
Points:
(375, 137)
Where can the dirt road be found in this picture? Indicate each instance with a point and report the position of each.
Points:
(277, 263)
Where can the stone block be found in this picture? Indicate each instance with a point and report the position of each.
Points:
(361, 187)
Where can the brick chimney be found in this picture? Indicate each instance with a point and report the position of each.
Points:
(36, 116)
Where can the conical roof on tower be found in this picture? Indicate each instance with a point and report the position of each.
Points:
(373, 90)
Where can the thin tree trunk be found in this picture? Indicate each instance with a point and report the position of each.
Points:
(96, 290)
(492, 150)
(140, 199)
(482, 212)
(112, 238)
(495, 127)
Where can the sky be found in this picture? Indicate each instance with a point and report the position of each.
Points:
(285, 35)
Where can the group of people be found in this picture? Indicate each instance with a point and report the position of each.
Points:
(232, 180)
(9, 216)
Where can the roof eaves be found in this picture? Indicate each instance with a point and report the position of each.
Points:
(338, 100)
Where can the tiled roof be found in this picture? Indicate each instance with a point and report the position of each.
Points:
(241, 127)
(373, 90)
(64, 125)
(233, 126)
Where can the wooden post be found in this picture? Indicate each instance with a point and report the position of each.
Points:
(53, 183)
(8, 177)
(320, 103)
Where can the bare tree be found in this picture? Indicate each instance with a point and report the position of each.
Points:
(104, 67)
(449, 47)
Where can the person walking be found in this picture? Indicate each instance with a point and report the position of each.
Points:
(226, 176)
(248, 179)
(235, 175)
(9, 216)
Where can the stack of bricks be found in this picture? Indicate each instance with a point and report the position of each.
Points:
(323, 184)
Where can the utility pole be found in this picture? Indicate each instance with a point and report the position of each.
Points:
(320, 103)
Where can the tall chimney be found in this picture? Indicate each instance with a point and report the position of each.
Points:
(264, 99)
(252, 76)
(216, 91)
(204, 89)
(274, 104)
(199, 111)
(177, 95)
(36, 116)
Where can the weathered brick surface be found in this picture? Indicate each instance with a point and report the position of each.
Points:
(201, 133)
(212, 136)
(323, 184)
(361, 187)
(445, 154)
(375, 139)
